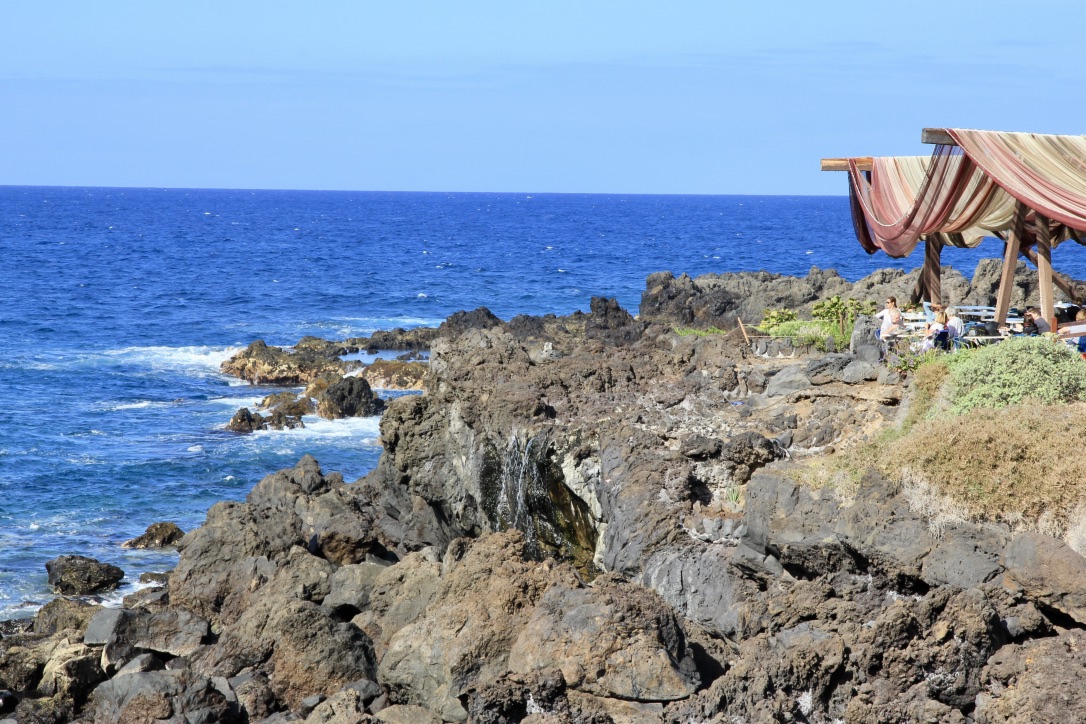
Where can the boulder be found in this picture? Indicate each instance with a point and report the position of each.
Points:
(1047, 571)
(350, 397)
(828, 368)
(64, 614)
(157, 535)
(245, 421)
(792, 378)
(612, 640)
(79, 575)
(175, 695)
(864, 345)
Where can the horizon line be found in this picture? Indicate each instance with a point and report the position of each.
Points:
(399, 191)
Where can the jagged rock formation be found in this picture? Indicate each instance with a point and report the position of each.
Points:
(157, 535)
(584, 518)
(718, 299)
(260, 364)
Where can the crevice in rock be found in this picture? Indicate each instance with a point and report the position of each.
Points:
(1057, 618)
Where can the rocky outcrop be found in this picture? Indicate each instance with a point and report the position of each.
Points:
(246, 421)
(79, 575)
(260, 364)
(350, 397)
(394, 374)
(584, 518)
(157, 535)
(718, 299)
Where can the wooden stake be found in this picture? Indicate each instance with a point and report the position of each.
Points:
(1010, 261)
(743, 330)
(1044, 269)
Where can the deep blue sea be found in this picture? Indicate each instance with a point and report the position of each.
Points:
(118, 305)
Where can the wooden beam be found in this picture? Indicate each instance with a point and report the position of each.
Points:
(937, 136)
(1056, 278)
(1010, 261)
(864, 163)
(933, 270)
(1044, 269)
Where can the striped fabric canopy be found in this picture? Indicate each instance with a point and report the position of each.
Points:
(960, 194)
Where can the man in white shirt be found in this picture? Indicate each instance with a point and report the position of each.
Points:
(954, 323)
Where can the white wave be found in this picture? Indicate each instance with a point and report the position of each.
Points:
(195, 448)
(364, 429)
(237, 402)
(199, 359)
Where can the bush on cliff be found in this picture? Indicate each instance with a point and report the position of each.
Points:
(1038, 368)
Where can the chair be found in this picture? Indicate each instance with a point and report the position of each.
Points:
(941, 340)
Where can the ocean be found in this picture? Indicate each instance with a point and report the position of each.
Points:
(118, 305)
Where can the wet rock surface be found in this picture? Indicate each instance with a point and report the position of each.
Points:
(79, 575)
(586, 518)
(157, 535)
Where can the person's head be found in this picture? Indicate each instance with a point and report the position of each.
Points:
(951, 312)
(940, 317)
(1081, 315)
(891, 302)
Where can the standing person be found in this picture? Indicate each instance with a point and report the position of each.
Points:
(890, 318)
(954, 323)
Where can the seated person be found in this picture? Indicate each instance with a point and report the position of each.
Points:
(1042, 325)
(954, 323)
(1029, 327)
(937, 326)
(890, 318)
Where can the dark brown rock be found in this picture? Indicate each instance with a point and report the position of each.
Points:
(350, 397)
(79, 575)
(157, 535)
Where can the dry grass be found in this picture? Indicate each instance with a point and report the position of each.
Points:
(1022, 465)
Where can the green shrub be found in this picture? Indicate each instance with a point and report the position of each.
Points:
(1041, 368)
(687, 331)
(774, 318)
(841, 311)
(814, 333)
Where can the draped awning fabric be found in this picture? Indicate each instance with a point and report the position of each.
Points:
(960, 194)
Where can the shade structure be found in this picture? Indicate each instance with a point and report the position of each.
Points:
(962, 193)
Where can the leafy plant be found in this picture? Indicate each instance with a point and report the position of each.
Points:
(774, 318)
(841, 311)
(1039, 368)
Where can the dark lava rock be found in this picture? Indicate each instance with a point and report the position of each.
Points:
(64, 613)
(462, 321)
(157, 535)
(350, 397)
(611, 323)
(245, 421)
(79, 575)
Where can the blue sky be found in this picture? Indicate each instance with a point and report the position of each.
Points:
(588, 96)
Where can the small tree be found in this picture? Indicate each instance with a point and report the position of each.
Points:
(841, 311)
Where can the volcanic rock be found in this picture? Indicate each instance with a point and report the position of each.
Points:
(394, 374)
(157, 535)
(350, 397)
(79, 575)
(260, 364)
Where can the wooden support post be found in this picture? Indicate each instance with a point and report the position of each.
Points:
(933, 270)
(1056, 279)
(1010, 261)
(1044, 269)
(743, 330)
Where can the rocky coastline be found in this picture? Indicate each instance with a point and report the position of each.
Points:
(587, 518)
